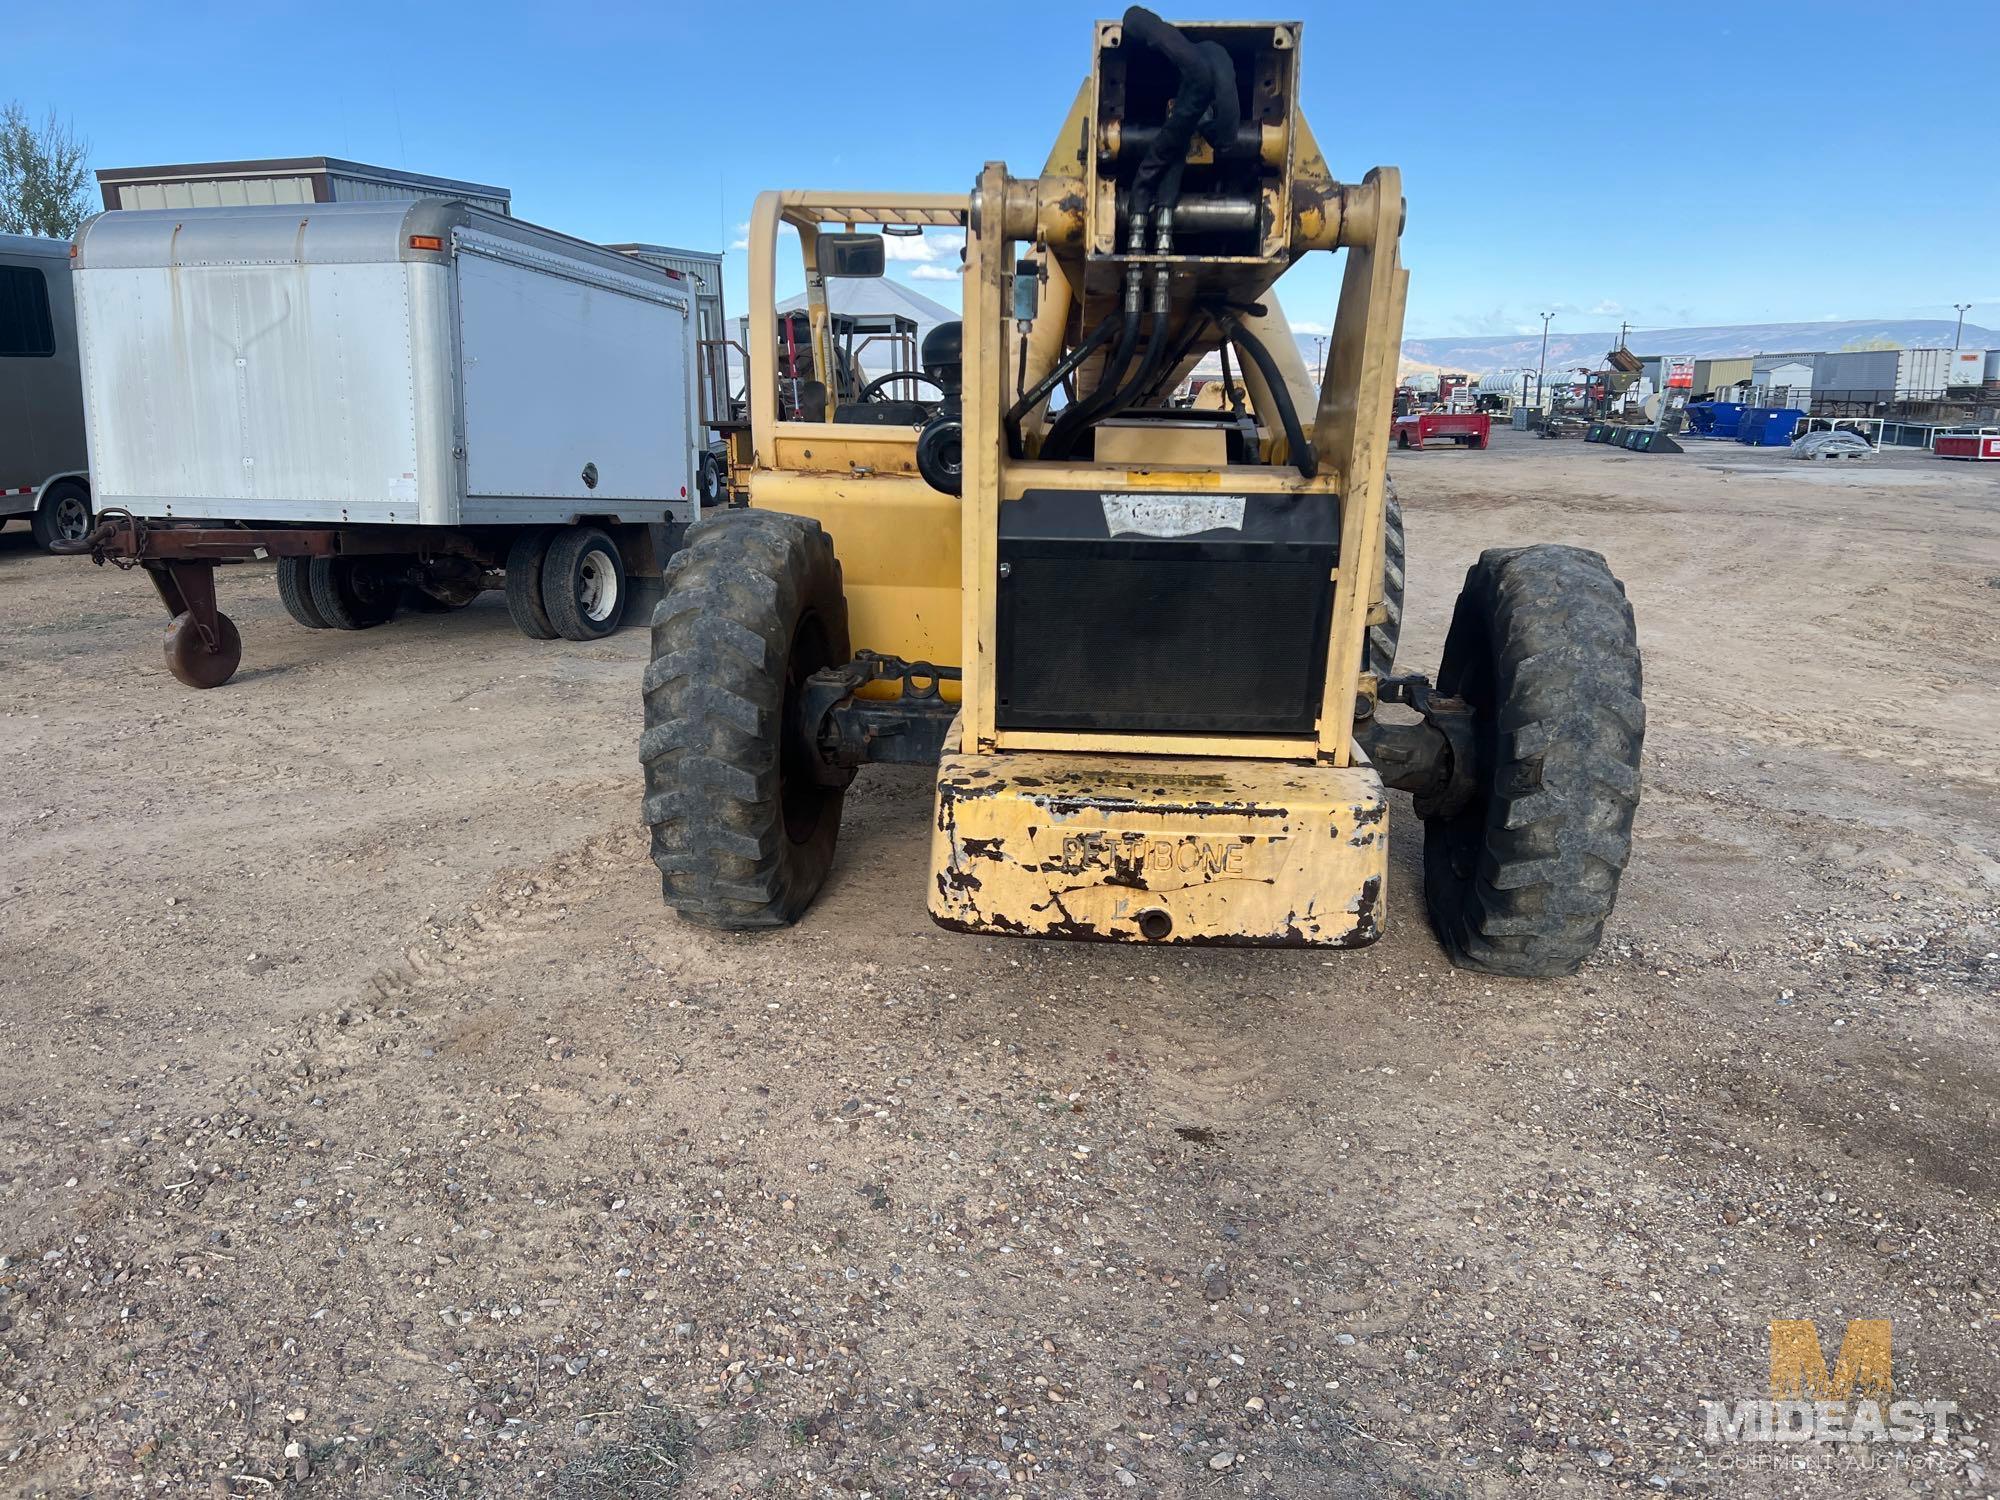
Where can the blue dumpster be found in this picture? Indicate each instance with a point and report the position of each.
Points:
(1767, 426)
(1727, 417)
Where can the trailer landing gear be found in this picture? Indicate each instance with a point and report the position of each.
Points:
(201, 645)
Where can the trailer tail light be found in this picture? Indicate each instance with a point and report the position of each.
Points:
(426, 242)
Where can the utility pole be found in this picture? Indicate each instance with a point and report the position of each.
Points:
(1543, 365)
(1962, 307)
(1623, 329)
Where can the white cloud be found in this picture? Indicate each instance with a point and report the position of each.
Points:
(935, 273)
(923, 248)
(1311, 329)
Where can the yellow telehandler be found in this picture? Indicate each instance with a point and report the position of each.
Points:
(1149, 648)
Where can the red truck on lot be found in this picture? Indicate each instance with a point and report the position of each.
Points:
(1468, 429)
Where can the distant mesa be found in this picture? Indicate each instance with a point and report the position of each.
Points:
(1480, 356)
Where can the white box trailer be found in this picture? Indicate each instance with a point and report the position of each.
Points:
(398, 398)
(715, 414)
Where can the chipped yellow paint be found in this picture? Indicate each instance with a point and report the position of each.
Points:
(1237, 852)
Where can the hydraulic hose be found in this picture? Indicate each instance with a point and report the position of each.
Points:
(1304, 456)
(1063, 368)
(1062, 435)
(1202, 72)
(1156, 340)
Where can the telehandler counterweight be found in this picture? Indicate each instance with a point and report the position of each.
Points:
(1147, 645)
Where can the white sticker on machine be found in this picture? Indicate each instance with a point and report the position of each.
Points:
(1172, 515)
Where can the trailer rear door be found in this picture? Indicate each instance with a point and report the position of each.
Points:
(252, 391)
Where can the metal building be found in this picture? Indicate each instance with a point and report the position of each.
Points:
(292, 179)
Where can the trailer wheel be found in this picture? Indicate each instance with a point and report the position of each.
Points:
(189, 658)
(524, 583)
(354, 593)
(711, 484)
(1543, 647)
(743, 830)
(583, 584)
(64, 514)
(295, 592)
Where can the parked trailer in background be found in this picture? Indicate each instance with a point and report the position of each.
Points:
(1466, 429)
(400, 401)
(44, 469)
(708, 353)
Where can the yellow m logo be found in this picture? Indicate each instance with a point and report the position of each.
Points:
(1798, 1368)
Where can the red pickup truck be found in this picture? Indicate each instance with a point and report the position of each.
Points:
(1467, 429)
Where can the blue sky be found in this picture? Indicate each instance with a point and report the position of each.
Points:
(1805, 162)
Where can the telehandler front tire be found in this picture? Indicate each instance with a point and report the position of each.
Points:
(1542, 645)
(743, 831)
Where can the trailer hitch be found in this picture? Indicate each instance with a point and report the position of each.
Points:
(1435, 760)
(847, 732)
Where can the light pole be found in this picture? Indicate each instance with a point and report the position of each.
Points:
(1543, 363)
(1319, 354)
(1962, 307)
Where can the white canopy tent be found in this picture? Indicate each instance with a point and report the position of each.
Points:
(874, 295)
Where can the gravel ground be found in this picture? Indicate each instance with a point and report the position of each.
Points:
(368, 1127)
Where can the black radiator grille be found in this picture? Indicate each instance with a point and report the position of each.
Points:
(1221, 632)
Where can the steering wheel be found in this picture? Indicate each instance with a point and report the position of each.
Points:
(873, 390)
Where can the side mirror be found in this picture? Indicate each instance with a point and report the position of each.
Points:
(852, 255)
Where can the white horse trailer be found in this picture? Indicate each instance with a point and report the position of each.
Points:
(402, 402)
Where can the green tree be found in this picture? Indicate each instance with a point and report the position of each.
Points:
(42, 176)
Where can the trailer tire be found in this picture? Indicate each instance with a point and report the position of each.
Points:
(1383, 638)
(525, 558)
(583, 584)
(64, 514)
(743, 832)
(711, 482)
(1542, 645)
(295, 592)
(354, 593)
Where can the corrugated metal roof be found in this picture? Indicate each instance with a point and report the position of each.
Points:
(283, 179)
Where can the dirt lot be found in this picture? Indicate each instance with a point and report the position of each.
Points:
(371, 1129)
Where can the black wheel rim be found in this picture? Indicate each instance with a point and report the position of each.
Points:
(371, 591)
(800, 793)
(1465, 830)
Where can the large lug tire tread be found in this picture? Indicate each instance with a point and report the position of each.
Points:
(1543, 645)
(715, 708)
(1383, 638)
(525, 557)
(295, 592)
(559, 584)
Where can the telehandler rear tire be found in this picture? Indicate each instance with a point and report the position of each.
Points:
(743, 831)
(1521, 880)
